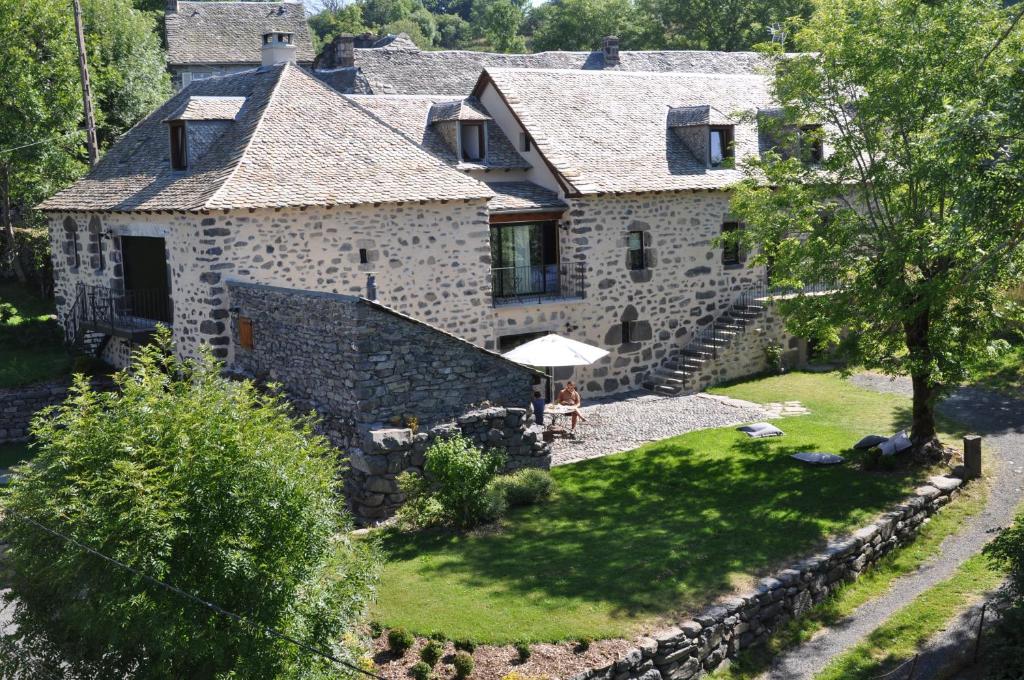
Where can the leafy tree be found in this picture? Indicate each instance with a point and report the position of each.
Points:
(917, 214)
(200, 482)
(499, 23)
(329, 23)
(462, 8)
(453, 32)
(580, 24)
(383, 12)
(716, 24)
(410, 28)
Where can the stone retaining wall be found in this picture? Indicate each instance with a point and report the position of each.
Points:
(725, 629)
(371, 485)
(18, 405)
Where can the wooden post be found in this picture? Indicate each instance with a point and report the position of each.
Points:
(83, 68)
(972, 456)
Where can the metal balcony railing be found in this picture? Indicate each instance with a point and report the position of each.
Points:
(123, 313)
(510, 285)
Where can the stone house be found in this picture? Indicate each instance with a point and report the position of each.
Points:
(583, 202)
(206, 39)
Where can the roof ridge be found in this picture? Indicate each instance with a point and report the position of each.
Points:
(241, 156)
(621, 73)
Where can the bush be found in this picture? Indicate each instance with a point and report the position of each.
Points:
(376, 629)
(400, 640)
(432, 652)
(583, 644)
(421, 671)
(421, 507)
(523, 650)
(201, 482)
(525, 487)
(463, 663)
(465, 645)
(1006, 645)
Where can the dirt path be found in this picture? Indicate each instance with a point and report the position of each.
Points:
(1001, 421)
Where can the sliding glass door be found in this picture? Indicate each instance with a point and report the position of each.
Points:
(524, 259)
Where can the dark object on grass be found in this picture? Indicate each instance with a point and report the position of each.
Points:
(818, 458)
(400, 640)
(523, 650)
(421, 671)
(463, 664)
(870, 441)
(758, 430)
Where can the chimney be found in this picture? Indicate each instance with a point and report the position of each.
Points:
(278, 49)
(171, 7)
(340, 53)
(610, 48)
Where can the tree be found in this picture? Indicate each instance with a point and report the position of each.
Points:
(453, 32)
(917, 215)
(716, 24)
(499, 23)
(329, 22)
(197, 481)
(383, 12)
(580, 24)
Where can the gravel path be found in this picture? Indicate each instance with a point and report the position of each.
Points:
(1001, 421)
(630, 420)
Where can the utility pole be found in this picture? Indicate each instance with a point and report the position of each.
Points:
(83, 67)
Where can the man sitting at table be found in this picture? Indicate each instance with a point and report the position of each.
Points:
(538, 408)
(570, 397)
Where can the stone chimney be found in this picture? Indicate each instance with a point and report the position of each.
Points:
(339, 53)
(278, 49)
(610, 48)
(171, 7)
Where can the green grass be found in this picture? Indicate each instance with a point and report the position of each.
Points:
(899, 638)
(635, 537)
(44, 358)
(12, 454)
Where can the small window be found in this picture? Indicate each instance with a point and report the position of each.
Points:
(101, 262)
(812, 148)
(635, 250)
(74, 249)
(245, 340)
(628, 332)
(179, 146)
(363, 257)
(525, 143)
(731, 249)
(472, 138)
(719, 145)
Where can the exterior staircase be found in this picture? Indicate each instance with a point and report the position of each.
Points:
(679, 372)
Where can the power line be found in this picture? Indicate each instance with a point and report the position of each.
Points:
(267, 630)
(44, 141)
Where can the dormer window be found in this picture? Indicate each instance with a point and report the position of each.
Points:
(179, 146)
(719, 145)
(472, 139)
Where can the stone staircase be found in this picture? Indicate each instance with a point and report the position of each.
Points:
(679, 372)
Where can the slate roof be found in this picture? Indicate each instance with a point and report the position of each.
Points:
(230, 32)
(523, 197)
(408, 116)
(401, 68)
(458, 109)
(347, 79)
(208, 108)
(688, 116)
(296, 142)
(607, 131)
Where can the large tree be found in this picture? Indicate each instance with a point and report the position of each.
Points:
(580, 24)
(916, 215)
(716, 24)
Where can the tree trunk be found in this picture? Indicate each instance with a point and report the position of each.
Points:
(926, 446)
(8, 244)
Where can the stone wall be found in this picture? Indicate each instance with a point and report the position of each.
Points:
(371, 485)
(700, 645)
(18, 405)
(361, 365)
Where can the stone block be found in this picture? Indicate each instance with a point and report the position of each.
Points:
(391, 439)
(927, 491)
(945, 484)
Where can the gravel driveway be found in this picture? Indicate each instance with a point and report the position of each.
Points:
(631, 420)
(1001, 421)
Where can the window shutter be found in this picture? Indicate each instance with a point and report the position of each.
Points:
(245, 340)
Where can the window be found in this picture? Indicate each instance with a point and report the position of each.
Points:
(811, 144)
(731, 249)
(363, 257)
(245, 340)
(179, 146)
(524, 259)
(101, 262)
(472, 138)
(74, 249)
(635, 250)
(525, 143)
(628, 331)
(719, 145)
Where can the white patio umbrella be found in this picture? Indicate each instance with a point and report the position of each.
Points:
(554, 350)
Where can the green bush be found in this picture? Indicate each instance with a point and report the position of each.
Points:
(421, 671)
(432, 652)
(201, 482)
(400, 640)
(376, 629)
(464, 664)
(525, 487)
(421, 507)
(583, 644)
(465, 645)
(523, 651)
(1006, 644)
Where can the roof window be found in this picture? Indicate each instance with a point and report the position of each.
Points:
(472, 139)
(179, 146)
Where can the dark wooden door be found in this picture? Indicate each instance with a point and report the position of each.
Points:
(146, 277)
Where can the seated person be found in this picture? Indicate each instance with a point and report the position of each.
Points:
(570, 397)
(538, 404)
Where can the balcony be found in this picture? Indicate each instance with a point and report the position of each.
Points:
(130, 314)
(538, 283)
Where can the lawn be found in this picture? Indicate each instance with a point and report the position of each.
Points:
(30, 343)
(638, 536)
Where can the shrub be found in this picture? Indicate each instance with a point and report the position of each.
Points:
(1006, 645)
(525, 487)
(583, 644)
(400, 640)
(421, 507)
(465, 645)
(376, 629)
(459, 473)
(432, 652)
(421, 671)
(440, 637)
(523, 650)
(463, 663)
(201, 482)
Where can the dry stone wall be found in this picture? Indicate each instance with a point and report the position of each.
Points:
(371, 483)
(700, 645)
(18, 405)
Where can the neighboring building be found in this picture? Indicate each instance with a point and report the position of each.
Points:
(572, 201)
(394, 65)
(207, 39)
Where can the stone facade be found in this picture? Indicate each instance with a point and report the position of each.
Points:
(361, 365)
(371, 484)
(698, 646)
(18, 405)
